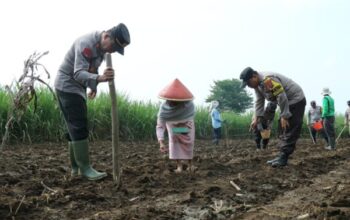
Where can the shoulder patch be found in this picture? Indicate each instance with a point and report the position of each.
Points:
(268, 83)
(273, 86)
(87, 52)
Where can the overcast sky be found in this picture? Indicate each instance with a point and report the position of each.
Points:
(195, 41)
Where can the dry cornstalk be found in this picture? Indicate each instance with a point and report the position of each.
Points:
(48, 188)
(17, 209)
(25, 92)
(235, 185)
(20, 204)
(217, 206)
(307, 215)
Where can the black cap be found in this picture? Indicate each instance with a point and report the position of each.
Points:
(121, 36)
(246, 74)
(349, 102)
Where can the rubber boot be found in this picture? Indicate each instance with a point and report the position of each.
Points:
(328, 148)
(332, 143)
(269, 162)
(81, 153)
(265, 143)
(75, 167)
(258, 146)
(281, 161)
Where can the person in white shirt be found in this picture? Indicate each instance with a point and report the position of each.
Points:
(347, 116)
(313, 117)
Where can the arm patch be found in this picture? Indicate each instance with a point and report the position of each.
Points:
(87, 53)
(274, 87)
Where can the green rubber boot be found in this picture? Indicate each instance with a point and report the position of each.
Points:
(81, 153)
(75, 167)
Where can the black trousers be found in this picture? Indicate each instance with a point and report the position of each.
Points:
(289, 137)
(217, 133)
(321, 132)
(328, 124)
(74, 110)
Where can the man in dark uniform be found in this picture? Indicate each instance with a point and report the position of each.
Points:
(78, 72)
(291, 100)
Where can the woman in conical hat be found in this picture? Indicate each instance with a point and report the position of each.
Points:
(176, 116)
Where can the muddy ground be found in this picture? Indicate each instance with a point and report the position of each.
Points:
(35, 183)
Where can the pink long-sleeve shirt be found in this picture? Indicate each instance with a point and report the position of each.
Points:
(180, 144)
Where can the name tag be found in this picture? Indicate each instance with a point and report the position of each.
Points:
(180, 130)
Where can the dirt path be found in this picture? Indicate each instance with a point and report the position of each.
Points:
(35, 184)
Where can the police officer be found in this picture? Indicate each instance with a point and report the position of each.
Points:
(291, 101)
(78, 72)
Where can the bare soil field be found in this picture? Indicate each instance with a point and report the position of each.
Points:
(35, 183)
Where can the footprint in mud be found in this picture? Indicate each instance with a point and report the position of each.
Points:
(145, 179)
(341, 203)
(212, 190)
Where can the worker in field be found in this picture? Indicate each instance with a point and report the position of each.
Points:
(262, 130)
(216, 121)
(347, 116)
(176, 117)
(79, 71)
(328, 118)
(314, 121)
(291, 101)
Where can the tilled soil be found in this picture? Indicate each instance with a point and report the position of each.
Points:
(35, 183)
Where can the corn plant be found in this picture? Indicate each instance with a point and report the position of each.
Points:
(24, 91)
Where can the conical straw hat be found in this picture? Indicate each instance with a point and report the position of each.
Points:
(176, 91)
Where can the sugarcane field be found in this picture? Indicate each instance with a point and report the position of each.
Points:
(174, 110)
